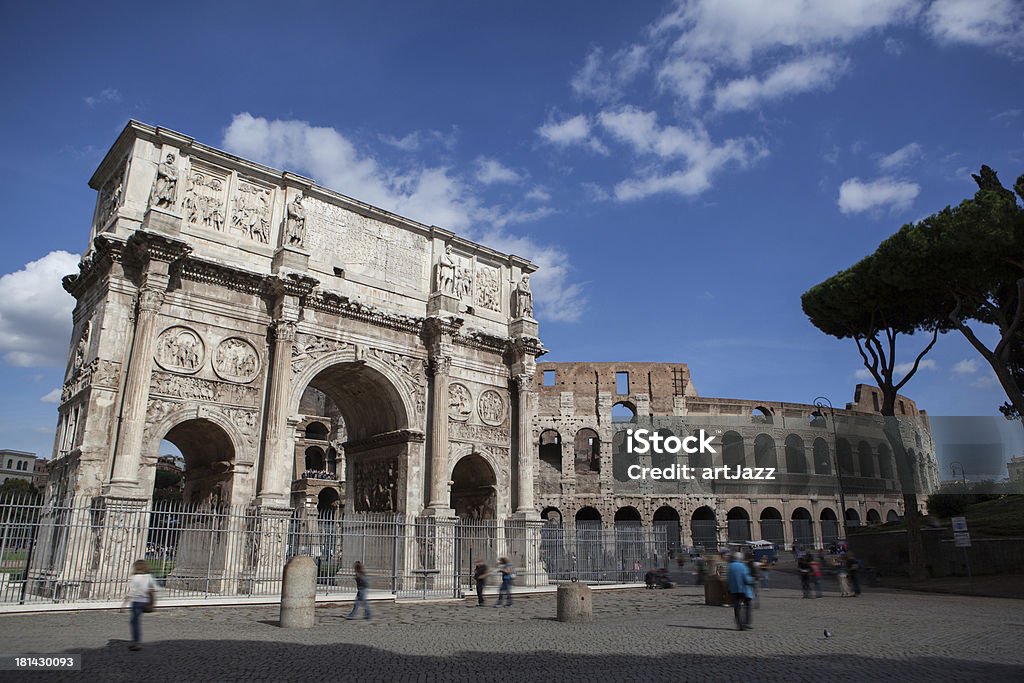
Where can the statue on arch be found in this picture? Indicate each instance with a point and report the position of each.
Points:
(446, 272)
(165, 185)
(523, 305)
(295, 226)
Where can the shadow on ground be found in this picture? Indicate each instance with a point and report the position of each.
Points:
(233, 660)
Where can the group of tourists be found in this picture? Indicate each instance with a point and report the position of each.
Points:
(480, 575)
(847, 568)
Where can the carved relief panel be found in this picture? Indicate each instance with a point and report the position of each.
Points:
(488, 287)
(460, 402)
(111, 194)
(492, 408)
(251, 209)
(236, 360)
(374, 485)
(205, 197)
(180, 349)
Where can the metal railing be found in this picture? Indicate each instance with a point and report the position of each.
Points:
(84, 550)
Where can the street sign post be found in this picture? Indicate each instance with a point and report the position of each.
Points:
(962, 539)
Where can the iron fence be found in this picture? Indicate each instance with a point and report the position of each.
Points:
(84, 550)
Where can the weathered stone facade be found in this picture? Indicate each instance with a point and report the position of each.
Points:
(579, 474)
(225, 306)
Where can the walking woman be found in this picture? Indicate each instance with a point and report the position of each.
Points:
(362, 584)
(142, 598)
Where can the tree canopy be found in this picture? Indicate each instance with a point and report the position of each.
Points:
(960, 265)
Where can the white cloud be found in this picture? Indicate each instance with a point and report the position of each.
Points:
(856, 196)
(686, 78)
(800, 75)
(490, 171)
(433, 195)
(894, 46)
(986, 382)
(998, 24)
(409, 143)
(734, 30)
(52, 396)
(539, 194)
(603, 79)
(104, 96)
(966, 367)
(702, 158)
(899, 370)
(417, 139)
(35, 312)
(904, 156)
(571, 131)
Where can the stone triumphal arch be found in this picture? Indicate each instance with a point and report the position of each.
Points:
(289, 340)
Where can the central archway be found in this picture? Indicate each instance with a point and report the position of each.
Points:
(474, 494)
(367, 418)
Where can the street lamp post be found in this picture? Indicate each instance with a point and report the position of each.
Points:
(820, 402)
(963, 473)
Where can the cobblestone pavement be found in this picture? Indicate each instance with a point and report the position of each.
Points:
(637, 635)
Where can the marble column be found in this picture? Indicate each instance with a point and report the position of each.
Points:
(440, 366)
(275, 477)
(524, 454)
(128, 452)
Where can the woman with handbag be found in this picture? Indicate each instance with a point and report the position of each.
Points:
(142, 597)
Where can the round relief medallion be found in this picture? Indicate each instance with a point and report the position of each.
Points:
(180, 349)
(236, 360)
(491, 408)
(460, 402)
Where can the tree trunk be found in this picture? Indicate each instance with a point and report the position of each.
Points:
(905, 472)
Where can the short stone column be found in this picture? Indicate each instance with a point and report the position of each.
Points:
(574, 603)
(298, 593)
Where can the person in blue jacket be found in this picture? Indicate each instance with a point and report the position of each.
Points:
(741, 590)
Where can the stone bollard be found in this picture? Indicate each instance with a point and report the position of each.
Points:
(574, 603)
(298, 593)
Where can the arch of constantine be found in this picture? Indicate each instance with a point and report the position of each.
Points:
(306, 351)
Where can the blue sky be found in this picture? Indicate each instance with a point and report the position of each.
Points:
(681, 172)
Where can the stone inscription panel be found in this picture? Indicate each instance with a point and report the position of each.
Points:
(366, 246)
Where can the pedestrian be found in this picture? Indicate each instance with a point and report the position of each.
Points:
(765, 568)
(480, 574)
(852, 565)
(755, 577)
(362, 585)
(844, 582)
(816, 576)
(142, 598)
(805, 575)
(507, 574)
(741, 589)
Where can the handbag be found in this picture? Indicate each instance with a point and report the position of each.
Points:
(151, 605)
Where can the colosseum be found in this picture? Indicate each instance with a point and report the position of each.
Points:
(585, 407)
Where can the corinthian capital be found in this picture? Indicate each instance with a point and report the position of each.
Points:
(151, 297)
(524, 382)
(439, 365)
(283, 330)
